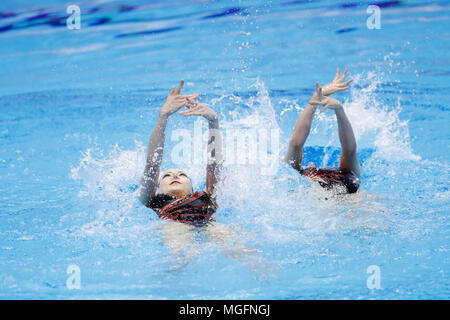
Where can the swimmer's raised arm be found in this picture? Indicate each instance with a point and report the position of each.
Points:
(349, 156)
(301, 131)
(149, 181)
(215, 157)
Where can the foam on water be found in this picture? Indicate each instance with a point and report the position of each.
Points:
(108, 183)
(376, 124)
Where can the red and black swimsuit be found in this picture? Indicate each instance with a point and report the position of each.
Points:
(329, 178)
(196, 208)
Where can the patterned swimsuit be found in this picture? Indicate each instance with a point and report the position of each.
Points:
(329, 178)
(196, 208)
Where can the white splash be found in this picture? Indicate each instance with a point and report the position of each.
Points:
(378, 125)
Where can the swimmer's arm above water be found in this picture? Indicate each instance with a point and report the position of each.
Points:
(349, 157)
(301, 131)
(149, 181)
(215, 156)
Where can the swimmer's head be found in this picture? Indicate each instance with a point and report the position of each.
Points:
(175, 181)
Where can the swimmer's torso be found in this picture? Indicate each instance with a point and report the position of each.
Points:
(196, 208)
(329, 178)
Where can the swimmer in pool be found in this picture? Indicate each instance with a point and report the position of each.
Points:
(346, 177)
(176, 199)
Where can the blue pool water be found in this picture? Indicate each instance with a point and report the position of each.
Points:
(77, 108)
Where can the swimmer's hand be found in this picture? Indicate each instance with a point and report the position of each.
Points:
(175, 101)
(320, 99)
(337, 84)
(200, 109)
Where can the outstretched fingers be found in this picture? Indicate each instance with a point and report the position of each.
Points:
(344, 86)
(347, 82)
(337, 74)
(180, 86)
(343, 75)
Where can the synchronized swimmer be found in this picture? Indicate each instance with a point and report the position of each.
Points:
(172, 196)
(346, 177)
(177, 199)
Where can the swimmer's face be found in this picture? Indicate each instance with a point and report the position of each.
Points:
(176, 182)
